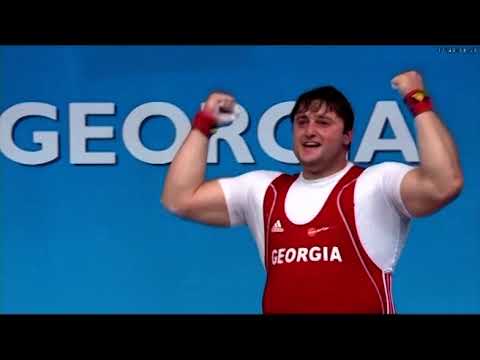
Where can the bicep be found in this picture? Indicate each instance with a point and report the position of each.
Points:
(226, 201)
(208, 205)
(419, 194)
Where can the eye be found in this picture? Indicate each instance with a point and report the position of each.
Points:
(301, 121)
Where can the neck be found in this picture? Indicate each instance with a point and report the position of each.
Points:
(316, 172)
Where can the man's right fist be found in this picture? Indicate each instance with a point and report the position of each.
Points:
(222, 107)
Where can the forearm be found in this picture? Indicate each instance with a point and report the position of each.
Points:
(187, 171)
(439, 160)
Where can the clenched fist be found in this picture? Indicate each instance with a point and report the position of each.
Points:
(407, 81)
(222, 106)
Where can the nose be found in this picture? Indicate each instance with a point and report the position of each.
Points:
(310, 129)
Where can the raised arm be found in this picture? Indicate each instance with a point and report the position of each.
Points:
(185, 191)
(439, 178)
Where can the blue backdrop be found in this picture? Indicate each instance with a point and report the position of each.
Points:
(96, 239)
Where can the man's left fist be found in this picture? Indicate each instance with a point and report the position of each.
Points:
(407, 81)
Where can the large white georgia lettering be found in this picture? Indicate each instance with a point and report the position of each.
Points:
(386, 111)
(134, 121)
(80, 132)
(232, 135)
(266, 132)
(47, 139)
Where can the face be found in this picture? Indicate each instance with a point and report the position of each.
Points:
(319, 141)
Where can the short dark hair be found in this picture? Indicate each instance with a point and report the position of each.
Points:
(334, 100)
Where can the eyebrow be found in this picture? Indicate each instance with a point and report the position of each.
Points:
(324, 117)
(303, 115)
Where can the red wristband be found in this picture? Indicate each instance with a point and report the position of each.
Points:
(204, 121)
(418, 102)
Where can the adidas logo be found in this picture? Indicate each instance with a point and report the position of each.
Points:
(277, 227)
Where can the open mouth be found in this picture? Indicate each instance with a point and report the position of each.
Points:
(311, 144)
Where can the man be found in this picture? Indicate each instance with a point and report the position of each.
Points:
(329, 237)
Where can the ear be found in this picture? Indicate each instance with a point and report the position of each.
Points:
(347, 137)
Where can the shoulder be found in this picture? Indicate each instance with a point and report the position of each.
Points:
(252, 182)
(252, 178)
(383, 181)
(244, 194)
(383, 172)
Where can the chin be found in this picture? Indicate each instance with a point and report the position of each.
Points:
(311, 158)
(310, 161)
